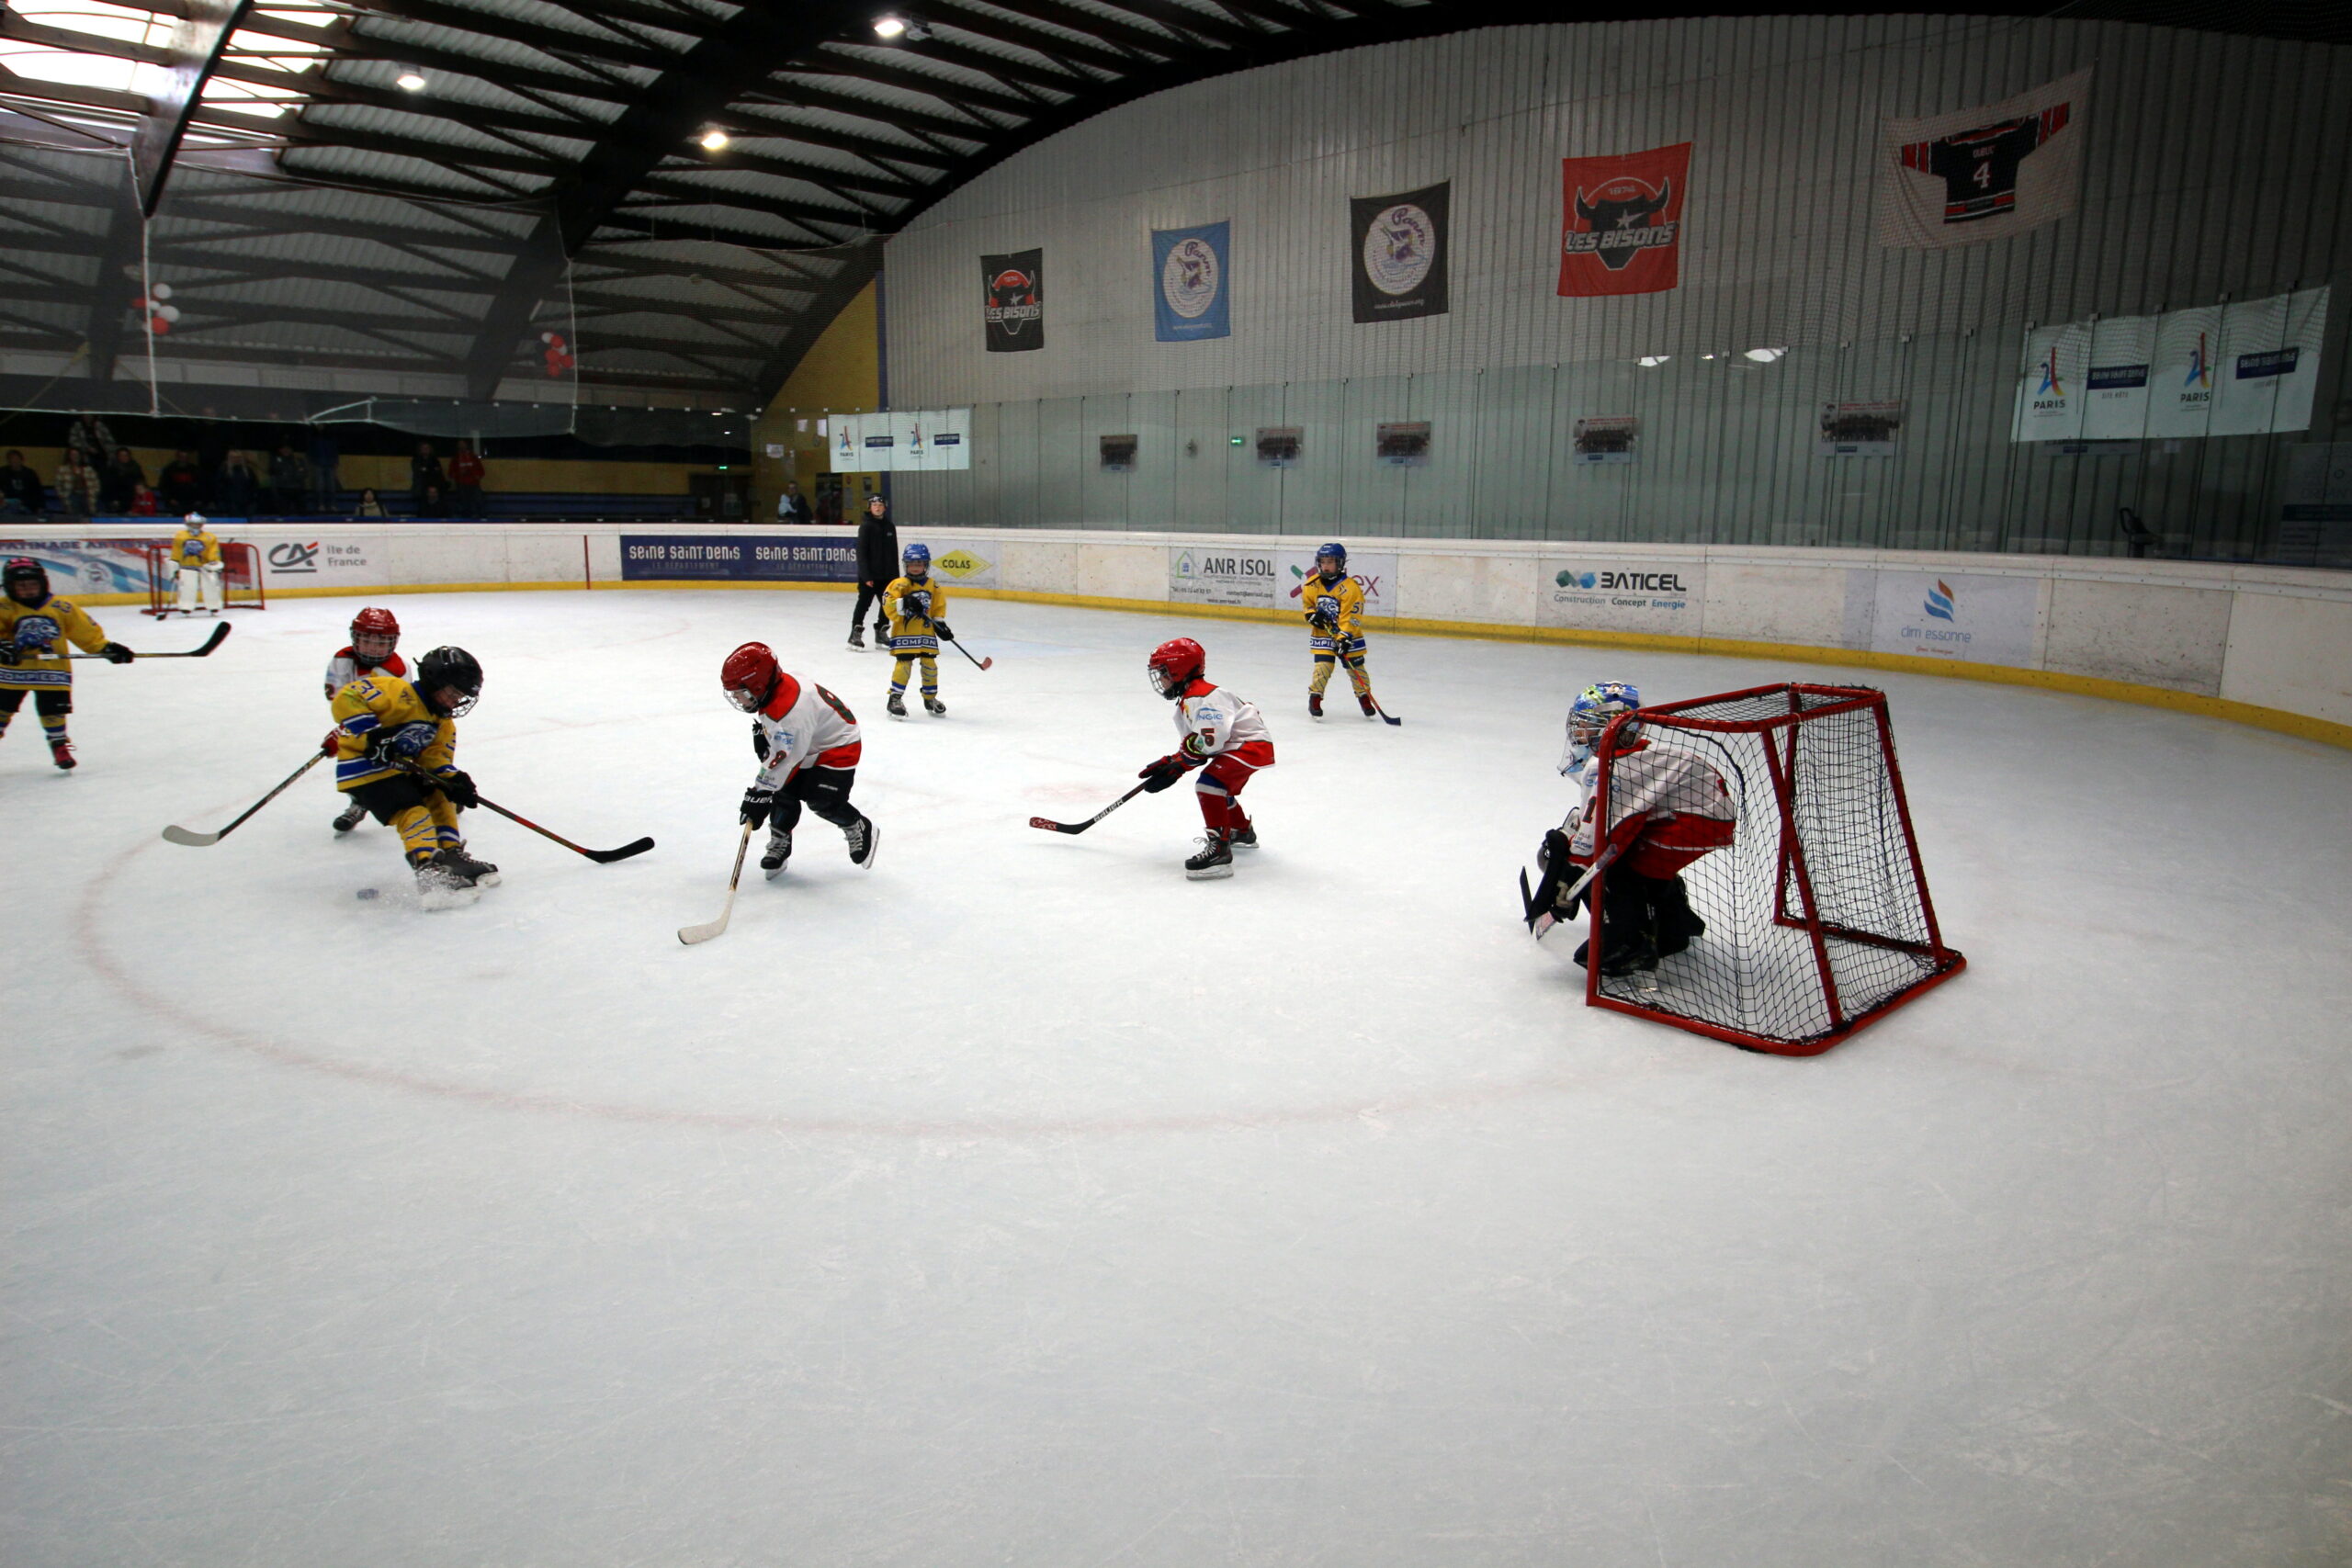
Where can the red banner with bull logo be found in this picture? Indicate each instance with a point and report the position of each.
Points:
(1621, 221)
(1012, 288)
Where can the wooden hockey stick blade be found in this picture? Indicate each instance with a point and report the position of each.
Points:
(690, 935)
(195, 841)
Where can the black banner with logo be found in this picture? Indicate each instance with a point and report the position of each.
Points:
(1014, 289)
(1401, 254)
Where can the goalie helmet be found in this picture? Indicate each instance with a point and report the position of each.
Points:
(749, 676)
(450, 668)
(24, 568)
(1590, 713)
(1175, 665)
(195, 521)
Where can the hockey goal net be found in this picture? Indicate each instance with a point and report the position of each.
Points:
(1813, 919)
(240, 580)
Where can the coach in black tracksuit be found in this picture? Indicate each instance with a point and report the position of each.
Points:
(877, 564)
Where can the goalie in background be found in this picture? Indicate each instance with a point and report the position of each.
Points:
(1666, 808)
(196, 565)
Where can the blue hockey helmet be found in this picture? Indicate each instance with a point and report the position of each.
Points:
(1330, 551)
(918, 554)
(1595, 707)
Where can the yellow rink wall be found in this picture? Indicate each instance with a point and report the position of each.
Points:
(2264, 646)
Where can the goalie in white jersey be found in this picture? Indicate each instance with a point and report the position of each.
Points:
(1225, 737)
(808, 745)
(1666, 808)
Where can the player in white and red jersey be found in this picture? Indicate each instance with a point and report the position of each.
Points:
(375, 637)
(809, 747)
(1225, 737)
(1666, 809)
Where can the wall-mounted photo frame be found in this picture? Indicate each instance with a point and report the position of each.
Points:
(1279, 445)
(1118, 453)
(1860, 430)
(1606, 438)
(1405, 446)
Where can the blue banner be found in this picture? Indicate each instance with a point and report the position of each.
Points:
(1191, 283)
(739, 557)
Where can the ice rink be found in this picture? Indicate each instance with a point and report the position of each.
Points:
(1022, 1202)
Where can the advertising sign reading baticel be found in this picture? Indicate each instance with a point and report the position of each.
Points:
(1620, 223)
(1014, 288)
(1400, 255)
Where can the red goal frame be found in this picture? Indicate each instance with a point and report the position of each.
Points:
(240, 574)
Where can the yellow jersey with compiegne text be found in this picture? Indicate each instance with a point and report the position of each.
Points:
(38, 635)
(1340, 604)
(368, 713)
(195, 546)
(910, 631)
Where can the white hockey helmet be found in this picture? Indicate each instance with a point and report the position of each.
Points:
(194, 519)
(1591, 713)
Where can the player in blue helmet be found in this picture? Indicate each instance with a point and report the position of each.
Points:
(1334, 606)
(916, 606)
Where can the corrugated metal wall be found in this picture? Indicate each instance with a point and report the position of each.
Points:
(2214, 168)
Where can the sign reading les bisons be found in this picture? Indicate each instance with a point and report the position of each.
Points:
(1621, 221)
(1014, 289)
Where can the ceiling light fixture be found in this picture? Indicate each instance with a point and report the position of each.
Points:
(1766, 355)
(887, 28)
(1651, 361)
(714, 139)
(408, 82)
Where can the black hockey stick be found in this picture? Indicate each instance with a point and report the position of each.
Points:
(1541, 920)
(195, 841)
(690, 935)
(989, 663)
(1381, 711)
(220, 632)
(1053, 827)
(601, 857)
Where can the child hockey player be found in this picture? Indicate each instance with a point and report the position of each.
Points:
(1225, 737)
(375, 634)
(1666, 809)
(1335, 615)
(915, 603)
(31, 622)
(196, 563)
(809, 747)
(395, 744)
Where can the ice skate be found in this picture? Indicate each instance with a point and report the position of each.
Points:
(779, 850)
(1214, 859)
(1246, 838)
(934, 707)
(443, 886)
(1315, 706)
(865, 842)
(1364, 701)
(897, 706)
(857, 639)
(353, 815)
(61, 753)
(480, 873)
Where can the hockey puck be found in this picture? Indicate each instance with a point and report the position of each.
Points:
(366, 893)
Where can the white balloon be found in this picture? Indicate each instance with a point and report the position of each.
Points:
(169, 312)
(161, 291)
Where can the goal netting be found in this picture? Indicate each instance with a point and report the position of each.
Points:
(1816, 914)
(240, 577)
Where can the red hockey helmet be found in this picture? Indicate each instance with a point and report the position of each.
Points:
(1175, 665)
(374, 634)
(749, 676)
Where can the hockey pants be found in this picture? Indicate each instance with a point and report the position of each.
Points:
(1221, 781)
(51, 703)
(424, 817)
(824, 791)
(1324, 657)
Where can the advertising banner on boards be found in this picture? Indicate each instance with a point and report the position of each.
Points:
(1599, 590)
(1978, 620)
(1217, 574)
(739, 557)
(972, 564)
(1374, 571)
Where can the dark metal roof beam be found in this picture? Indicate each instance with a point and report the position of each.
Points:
(692, 192)
(1185, 20)
(271, 221)
(1021, 34)
(1125, 34)
(835, 180)
(800, 276)
(335, 90)
(1012, 72)
(649, 226)
(560, 42)
(968, 97)
(804, 95)
(311, 134)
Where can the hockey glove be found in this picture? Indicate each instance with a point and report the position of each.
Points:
(8, 654)
(944, 635)
(408, 740)
(328, 747)
(759, 739)
(114, 653)
(459, 788)
(1317, 621)
(1163, 772)
(758, 801)
(918, 603)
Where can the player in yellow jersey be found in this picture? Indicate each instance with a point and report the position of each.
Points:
(914, 604)
(395, 745)
(32, 620)
(1335, 615)
(195, 560)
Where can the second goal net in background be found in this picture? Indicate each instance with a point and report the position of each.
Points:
(1816, 916)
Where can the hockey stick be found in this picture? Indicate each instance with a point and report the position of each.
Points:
(1382, 711)
(601, 857)
(693, 934)
(1052, 826)
(1541, 921)
(988, 663)
(220, 631)
(194, 841)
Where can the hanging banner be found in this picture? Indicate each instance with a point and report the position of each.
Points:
(2115, 396)
(1983, 174)
(1013, 287)
(2052, 386)
(2249, 366)
(1189, 276)
(2306, 319)
(845, 439)
(1621, 225)
(2181, 403)
(1400, 254)
(2244, 368)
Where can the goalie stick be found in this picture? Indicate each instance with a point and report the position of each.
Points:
(195, 841)
(690, 935)
(1542, 916)
(220, 632)
(1053, 827)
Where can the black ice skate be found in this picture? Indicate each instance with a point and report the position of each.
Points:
(440, 886)
(897, 706)
(865, 842)
(1315, 705)
(857, 639)
(779, 850)
(353, 815)
(934, 707)
(480, 873)
(1247, 838)
(1214, 859)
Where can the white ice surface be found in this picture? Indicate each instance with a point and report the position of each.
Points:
(1022, 1202)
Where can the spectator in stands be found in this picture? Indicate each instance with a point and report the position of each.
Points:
(877, 567)
(326, 471)
(424, 469)
(432, 502)
(120, 481)
(369, 506)
(465, 477)
(180, 487)
(792, 506)
(289, 479)
(142, 502)
(90, 439)
(77, 484)
(21, 489)
(233, 492)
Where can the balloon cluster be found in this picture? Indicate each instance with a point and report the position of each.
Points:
(557, 354)
(160, 314)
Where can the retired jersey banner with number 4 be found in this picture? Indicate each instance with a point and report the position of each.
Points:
(1983, 174)
(1189, 278)
(1400, 258)
(1014, 289)
(1620, 225)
